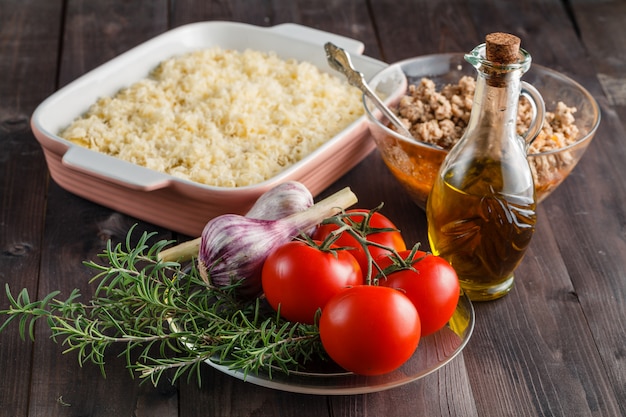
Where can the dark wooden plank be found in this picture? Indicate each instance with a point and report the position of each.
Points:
(28, 45)
(540, 362)
(189, 11)
(409, 28)
(447, 389)
(222, 395)
(596, 245)
(589, 232)
(348, 18)
(601, 30)
(77, 230)
(542, 367)
(95, 33)
(373, 184)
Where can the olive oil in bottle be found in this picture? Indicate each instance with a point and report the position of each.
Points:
(481, 210)
(481, 232)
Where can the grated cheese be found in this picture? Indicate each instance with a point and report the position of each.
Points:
(220, 117)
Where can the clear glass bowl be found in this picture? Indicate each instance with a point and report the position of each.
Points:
(415, 164)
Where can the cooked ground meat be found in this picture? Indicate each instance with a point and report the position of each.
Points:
(440, 118)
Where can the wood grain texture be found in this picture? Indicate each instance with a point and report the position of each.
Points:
(540, 347)
(27, 57)
(348, 18)
(96, 32)
(602, 31)
(222, 395)
(602, 174)
(553, 347)
(77, 230)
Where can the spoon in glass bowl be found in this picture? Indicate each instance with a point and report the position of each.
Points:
(339, 60)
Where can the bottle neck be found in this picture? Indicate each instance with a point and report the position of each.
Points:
(498, 87)
(495, 104)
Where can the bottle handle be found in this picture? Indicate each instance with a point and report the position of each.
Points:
(538, 108)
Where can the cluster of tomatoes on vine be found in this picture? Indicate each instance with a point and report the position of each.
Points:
(372, 298)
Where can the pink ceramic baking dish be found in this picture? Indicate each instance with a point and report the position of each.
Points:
(167, 201)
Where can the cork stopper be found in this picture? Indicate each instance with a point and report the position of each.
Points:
(502, 48)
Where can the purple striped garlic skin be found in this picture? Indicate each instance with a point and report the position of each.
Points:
(281, 201)
(234, 247)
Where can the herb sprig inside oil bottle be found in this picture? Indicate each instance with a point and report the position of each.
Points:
(481, 210)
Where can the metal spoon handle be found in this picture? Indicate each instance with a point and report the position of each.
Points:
(339, 60)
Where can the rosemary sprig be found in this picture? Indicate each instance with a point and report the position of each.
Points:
(165, 318)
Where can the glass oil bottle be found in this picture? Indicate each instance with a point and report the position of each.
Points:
(481, 210)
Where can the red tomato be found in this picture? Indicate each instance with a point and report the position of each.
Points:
(299, 279)
(433, 287)
(390, 238)
(369, 330)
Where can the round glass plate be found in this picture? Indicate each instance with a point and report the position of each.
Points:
(434, 351)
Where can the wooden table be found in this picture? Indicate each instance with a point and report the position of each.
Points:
(555, 346)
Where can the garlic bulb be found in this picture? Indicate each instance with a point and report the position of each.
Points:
(234, 247)
(280, 201)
